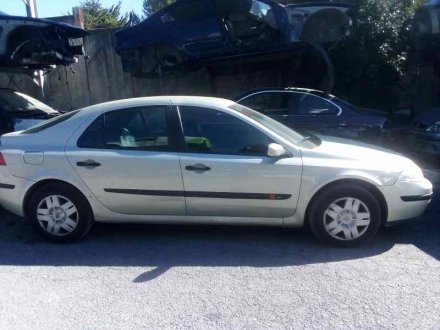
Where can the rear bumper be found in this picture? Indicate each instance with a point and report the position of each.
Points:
(407, 200)
(12, 192)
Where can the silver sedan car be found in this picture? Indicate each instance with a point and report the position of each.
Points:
(201, 160)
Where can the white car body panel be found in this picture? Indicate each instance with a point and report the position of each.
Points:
(301, 176)
(244, 175)
(134, 170)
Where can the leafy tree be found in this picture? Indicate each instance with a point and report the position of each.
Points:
(152, 6)
(370, 63)
(96, 16)
(133, 19)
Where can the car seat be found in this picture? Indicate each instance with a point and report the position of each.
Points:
(238, 22)
(271, 20)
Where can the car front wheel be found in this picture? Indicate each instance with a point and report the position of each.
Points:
(345, 215)
(60, 213)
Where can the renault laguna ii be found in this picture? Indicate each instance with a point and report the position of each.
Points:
(201, 160)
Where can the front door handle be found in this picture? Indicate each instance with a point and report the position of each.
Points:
(198, 168)
(88, 163)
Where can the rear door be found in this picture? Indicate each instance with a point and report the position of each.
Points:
(128, 160)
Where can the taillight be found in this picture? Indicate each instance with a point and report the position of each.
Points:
(2, 160)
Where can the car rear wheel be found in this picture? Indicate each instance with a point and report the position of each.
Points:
(345, 216)
(60, 213)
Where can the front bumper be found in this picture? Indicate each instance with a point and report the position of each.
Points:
(407, 200)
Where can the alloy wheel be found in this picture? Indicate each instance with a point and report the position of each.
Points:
(57, 215)
(347, 219)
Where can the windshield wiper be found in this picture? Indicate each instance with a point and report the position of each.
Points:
(309, 138)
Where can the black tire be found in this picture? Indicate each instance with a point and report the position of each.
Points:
(318, 216)
(83, 217)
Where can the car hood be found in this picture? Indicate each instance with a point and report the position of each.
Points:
(375, 112)
(383, 164)
(428, 118)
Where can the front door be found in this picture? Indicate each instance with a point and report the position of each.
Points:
(127, 159)
(227, 172)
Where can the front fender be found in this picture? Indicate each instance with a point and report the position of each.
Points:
(316, 178)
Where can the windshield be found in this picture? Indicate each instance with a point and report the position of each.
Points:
(280, 129)
(12, 101)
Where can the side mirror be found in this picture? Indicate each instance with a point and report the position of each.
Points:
(276, 150)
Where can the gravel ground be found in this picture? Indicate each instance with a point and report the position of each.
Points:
(219, 277)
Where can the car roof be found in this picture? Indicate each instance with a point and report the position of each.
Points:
(200, 101)
(284, 89)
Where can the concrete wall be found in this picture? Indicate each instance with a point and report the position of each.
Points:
(100, 78)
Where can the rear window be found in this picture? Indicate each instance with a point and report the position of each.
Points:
(50, 123)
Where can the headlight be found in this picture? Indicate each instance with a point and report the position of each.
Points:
(434, 128)
(412, 174)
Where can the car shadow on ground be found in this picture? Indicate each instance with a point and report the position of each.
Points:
(162, 247)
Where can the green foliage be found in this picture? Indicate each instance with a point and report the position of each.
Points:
(152, 6)
(370, 64)
(133, 19)
(96, 16)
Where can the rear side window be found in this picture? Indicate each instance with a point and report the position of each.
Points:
(134, 129)
(268, 103)
(50, 123)
(310, 105)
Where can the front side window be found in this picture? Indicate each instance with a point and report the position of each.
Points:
(137, 129)
(215, 132)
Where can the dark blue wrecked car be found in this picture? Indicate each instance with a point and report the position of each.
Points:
(426, 33)
(424, 135)
(315, 112)
(28, 44)
(201, 31)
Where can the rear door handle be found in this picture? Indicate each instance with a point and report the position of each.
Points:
(198, 168)
(88, 163)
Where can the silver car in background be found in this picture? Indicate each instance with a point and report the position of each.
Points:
(201, 160)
